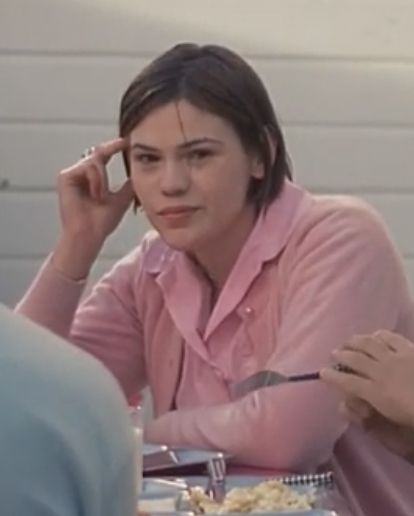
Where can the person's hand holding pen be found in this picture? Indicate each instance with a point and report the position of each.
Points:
(379, 393)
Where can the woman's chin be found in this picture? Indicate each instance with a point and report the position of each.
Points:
(179, 242)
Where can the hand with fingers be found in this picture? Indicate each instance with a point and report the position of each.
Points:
(379, 393)
(89, 211)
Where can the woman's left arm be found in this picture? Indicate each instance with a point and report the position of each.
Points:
(346, 278)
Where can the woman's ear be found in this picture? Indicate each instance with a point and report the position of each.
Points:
(258, 171)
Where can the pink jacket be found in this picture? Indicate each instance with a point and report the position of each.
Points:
(314, 271)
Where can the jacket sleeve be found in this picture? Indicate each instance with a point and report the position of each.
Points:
(345, 278)
(105, 324)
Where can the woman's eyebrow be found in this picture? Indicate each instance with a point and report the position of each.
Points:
(182, 146)
(197, 141)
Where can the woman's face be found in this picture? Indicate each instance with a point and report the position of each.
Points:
(191, 175)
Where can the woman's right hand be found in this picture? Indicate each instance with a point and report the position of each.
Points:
(89, 211)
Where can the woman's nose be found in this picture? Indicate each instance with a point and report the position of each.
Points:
(175, 179)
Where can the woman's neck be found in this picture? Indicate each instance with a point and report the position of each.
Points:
(218, 258)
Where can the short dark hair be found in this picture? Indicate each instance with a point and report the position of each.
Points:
(215, 79)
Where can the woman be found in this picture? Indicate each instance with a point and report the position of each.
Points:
(379, 396)
(66, 443)
(245, 271)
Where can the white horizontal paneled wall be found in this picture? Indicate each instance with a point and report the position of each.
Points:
(87, 89)
(341, 75)
(355, 28)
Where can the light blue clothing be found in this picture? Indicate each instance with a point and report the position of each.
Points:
(66, 445)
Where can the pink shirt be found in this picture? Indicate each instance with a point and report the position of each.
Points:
(314, 271)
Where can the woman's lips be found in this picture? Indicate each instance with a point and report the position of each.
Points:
(177, 214)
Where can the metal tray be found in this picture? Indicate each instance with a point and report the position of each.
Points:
(174, 461)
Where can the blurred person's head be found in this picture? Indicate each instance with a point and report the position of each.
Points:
(66, 443)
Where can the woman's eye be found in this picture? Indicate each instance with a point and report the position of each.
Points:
(146, 158)
(199, 154)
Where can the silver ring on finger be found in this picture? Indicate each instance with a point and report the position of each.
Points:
(88, 152)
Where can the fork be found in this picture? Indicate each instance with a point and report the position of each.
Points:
(267, 378)
(216, 468)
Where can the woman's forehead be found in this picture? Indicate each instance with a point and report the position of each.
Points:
(178, 122)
